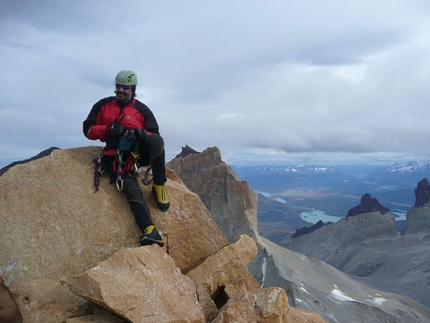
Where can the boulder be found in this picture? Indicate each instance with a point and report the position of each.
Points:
(271, 304)
(239, 308)
(47, 301)
(141, 285)
(227, 267)
(54, 224)
(236, 293)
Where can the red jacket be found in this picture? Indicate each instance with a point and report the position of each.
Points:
(107, 111)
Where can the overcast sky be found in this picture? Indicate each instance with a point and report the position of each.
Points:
(290, 81)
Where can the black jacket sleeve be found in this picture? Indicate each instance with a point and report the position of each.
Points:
(151, 122)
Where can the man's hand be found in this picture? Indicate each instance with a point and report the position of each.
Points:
(140, 134)
(117, 130)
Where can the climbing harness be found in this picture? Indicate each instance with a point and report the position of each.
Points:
(120, 167)
(125, 161)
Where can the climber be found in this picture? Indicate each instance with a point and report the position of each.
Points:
(131, 133)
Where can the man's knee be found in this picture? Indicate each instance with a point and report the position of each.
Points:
(155, 141)
(154, 147)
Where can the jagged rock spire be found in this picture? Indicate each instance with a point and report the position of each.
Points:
(187, 150)
(422, 193)
(368, 204)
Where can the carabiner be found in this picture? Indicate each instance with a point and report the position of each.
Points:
(137, 167)
(146, 180)
(119, 184)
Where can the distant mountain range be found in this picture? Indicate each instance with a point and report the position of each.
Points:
(288, 191)
(411, 167)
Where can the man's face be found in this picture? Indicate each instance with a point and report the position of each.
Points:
(124, 93)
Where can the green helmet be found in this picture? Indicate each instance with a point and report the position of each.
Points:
(126, 77)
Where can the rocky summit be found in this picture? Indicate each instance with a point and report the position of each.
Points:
(368, 204)
(232, 204)
(71, 254)
(310, 283)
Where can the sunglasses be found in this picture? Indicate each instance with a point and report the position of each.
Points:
(125, 87)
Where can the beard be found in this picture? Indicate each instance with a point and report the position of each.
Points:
(123, 97)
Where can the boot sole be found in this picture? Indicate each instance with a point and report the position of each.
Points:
(149, 241)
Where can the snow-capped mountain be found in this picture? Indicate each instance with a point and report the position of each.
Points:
(410, 167)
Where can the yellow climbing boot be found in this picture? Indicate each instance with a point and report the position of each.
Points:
(150, 236)
(159, 192)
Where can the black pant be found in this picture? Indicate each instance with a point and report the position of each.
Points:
(151, 152)
(137, 203)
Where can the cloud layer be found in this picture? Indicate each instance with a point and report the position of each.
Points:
(264, 81)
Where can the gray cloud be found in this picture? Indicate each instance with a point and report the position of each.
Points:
(274, 80)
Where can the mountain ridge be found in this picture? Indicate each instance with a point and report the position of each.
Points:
(269, 267)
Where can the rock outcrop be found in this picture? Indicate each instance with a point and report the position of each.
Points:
(154, 287)
(418, 220)
(68, 254)
(307, 230)
(422, 193)
(418, 217)
(368, 204)
(44, 153)
(232, 204)
(51, 213)
(187, 150)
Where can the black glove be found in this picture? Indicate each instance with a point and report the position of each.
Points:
(117, 130)
(140, 134)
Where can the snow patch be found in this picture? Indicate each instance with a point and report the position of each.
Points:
(337, 294)
(377, 300)
(263, 270)
(303, 289)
